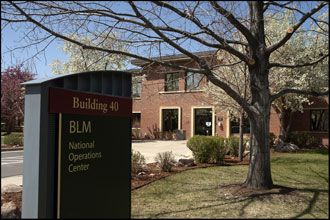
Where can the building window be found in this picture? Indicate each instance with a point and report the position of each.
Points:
(172, 82)
(136, 120)
(193, 81)
(136, 89)
(203, 121)
(170, 119)
(319, 120)
(234, 125)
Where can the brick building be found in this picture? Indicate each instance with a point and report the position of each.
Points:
(165, 99)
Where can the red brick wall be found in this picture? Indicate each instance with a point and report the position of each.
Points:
(301, 121)
(274, 123)
(153, 98)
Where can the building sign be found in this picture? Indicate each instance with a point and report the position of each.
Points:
(94, 150)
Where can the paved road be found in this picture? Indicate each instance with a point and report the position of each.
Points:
(11, 163)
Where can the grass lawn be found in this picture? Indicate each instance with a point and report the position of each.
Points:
(4, 135)
(196, 193)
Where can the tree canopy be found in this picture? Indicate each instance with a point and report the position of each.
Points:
(12, 95)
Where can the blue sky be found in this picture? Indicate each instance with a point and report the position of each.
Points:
(40, 65)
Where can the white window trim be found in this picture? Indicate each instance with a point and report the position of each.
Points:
(228, 125)
(193, 119)
(161, 116)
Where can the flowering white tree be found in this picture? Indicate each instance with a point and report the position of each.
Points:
(305, 46)
(81, 60)
(300, 49)
(237, 76)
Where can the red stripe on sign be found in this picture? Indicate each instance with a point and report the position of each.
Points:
(72, 102)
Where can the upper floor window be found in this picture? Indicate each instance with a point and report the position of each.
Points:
(193, 80)
(172, 82)
(136, 89)
(319, 120)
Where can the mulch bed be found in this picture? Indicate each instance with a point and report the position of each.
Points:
(16, 197)
(153, 172)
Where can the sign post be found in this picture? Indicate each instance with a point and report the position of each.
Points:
(88, 151)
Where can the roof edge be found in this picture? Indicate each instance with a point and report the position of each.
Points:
(176, 57)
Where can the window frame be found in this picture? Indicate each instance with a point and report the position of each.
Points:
(176, 81)
(139, 94)
(194, 76)
(246, 129)
(133, 121)
(311, 120)
(192, 119)
(169, 108)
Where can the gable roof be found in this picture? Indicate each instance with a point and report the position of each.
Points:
(176, 57)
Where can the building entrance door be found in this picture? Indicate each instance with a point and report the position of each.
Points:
(203, 121)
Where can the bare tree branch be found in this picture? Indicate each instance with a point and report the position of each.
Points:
(224, 42)
(84, 46)
(159, 33)
(297, 91)
(230, 17)
(298, 65)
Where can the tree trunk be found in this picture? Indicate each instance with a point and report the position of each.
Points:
(259, 174)
(240, 148)
(9, 126)
(285, 125)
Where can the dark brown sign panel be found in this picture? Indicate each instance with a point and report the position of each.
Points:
(66, 101)
(93, 157)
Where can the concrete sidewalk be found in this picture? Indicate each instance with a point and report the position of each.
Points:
(150, 148)
(17, 180)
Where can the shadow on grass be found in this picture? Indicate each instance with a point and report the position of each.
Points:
(199, 207)
(248, 200)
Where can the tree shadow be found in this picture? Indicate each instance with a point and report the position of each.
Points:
(310, 206)
(286, 191)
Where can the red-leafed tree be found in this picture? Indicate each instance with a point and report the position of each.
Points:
(12, 95)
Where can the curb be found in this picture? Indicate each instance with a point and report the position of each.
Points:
(11, 148)
(17, 180)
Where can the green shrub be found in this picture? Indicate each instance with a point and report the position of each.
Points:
(166, 160)
(207, 149)
(272, 138)
(138, 161)
(303, 139)
(14, 139)
(232, 144)
(219, 150)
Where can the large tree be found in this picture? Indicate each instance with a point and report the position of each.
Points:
(157, 27)
(12, 96)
